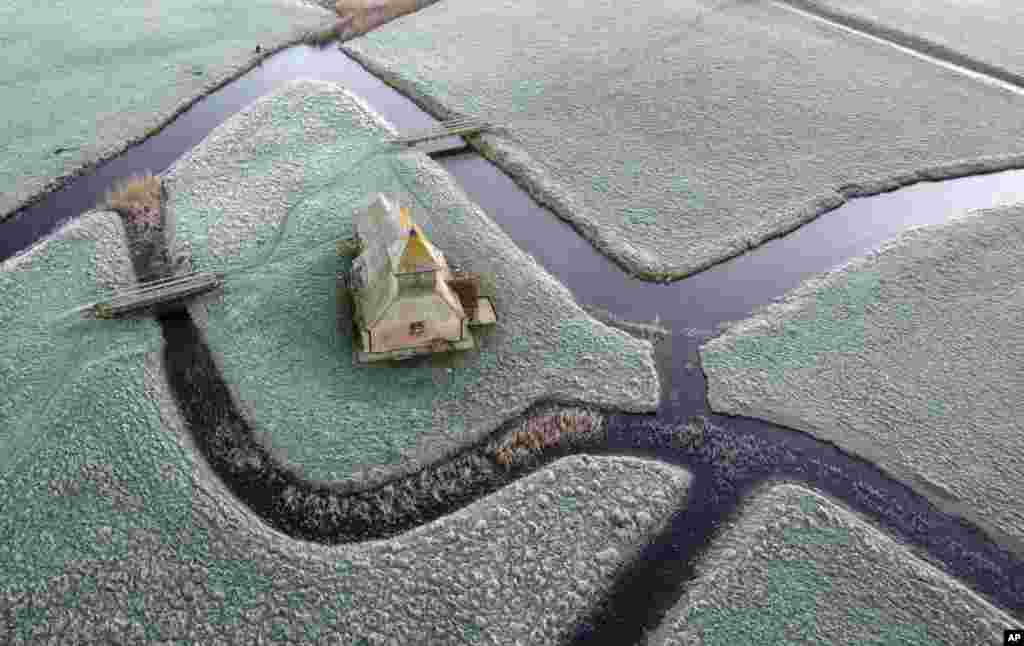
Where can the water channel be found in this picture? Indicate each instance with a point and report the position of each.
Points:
(692, 308)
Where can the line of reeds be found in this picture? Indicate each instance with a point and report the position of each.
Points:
(565, 429)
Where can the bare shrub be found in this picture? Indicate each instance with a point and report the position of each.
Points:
(346, 7)
(291, 499)
(546, 431)
(137, 199)
(338, 512)
(315, 510)
(327, 36)
(503, 456)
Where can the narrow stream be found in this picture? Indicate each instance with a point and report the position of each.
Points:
(157, 153)
(692, 308)
(734, 454)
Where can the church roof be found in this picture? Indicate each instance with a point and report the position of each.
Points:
(393, 244)
(419, 254)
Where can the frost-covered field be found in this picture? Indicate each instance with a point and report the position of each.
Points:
(909, 357)
(277, 333)
(82, 80)
(677, 135)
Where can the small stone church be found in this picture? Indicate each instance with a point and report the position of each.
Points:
(406, 300)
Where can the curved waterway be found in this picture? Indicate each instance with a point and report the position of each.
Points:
(734, 454)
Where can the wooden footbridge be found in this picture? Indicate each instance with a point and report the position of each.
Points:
(158, 292)
(177, 288)
(454, 127)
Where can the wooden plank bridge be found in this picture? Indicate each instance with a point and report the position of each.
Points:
(158, 292)
(463, 126)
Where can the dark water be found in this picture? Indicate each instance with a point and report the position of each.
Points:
(692, 309)
(157, 153)
(736, 453)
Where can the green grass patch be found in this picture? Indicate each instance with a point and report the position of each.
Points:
(277, 328)
(838, 326)
(783, 599)
(296, 358)
(638, 216)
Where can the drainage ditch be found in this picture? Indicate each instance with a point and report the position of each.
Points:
(728, 456)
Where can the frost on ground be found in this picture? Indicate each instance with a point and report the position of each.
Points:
(287, 349)
(80, 439)
(116, 531)
(909, 357)
(676, 135)
(83, 80)
(47, 347)
(796, 567)
(940, 27)
(520, 567)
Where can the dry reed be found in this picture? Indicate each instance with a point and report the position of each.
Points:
(369, 14)
(137, 199)
(547, 431)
